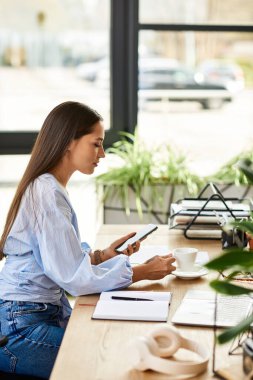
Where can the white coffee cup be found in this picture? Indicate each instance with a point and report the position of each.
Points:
(185, 258)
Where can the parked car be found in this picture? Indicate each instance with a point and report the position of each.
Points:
(89, 70)
(179, 83)
(227, 74)
(163, 79)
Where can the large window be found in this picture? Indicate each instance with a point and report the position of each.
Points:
(180, 70)
(195, 78)
(50, 52)
(196, 11)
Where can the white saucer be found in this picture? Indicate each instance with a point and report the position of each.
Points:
(190, 275)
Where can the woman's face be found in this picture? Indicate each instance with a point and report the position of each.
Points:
(84, 153)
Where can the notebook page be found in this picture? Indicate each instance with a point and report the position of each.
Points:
(132, 310)
(155, 310)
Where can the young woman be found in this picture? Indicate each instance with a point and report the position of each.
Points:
(41, 243)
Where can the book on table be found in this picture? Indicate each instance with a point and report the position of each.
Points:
(198, 308)
(133, 306)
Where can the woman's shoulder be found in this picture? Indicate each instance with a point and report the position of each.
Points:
(47, 192)
(45, 183)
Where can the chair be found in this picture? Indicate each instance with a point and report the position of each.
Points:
(14, 376)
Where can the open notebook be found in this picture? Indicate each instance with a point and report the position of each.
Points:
(153, 307)
(197, 308)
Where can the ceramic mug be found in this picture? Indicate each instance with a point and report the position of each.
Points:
(185, 258)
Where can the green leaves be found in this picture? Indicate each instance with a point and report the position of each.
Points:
(246, 167)
(244, 225)
(236, 259)
(238, 170)
(142, 166)
(229, 289)
(233, 261)
(233, 332)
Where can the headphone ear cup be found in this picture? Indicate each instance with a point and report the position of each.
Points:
(167, 341)
(139, 353)
(153, 345)
(143, 359)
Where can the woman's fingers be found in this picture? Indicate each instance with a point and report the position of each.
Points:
(172, 267)
(122, 239)
(167, 256)
(136, 246)
(132, 248)
(160, 266)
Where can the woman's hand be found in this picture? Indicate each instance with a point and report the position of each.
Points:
(110, 252)
(160, 266)
(155, 268)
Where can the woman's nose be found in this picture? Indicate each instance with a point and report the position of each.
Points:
(101, 152)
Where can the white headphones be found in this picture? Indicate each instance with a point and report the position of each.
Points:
(163, 342)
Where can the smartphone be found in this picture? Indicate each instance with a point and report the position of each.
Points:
(138, 236)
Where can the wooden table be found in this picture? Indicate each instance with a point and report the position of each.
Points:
(97, 349)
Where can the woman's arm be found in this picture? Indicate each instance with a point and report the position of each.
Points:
(61, 255)
(154, 269)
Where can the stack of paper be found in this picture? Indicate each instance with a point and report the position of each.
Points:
(133, 306)
(207, 222)
(195, 204)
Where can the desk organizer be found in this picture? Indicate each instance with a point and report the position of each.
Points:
(203, 217)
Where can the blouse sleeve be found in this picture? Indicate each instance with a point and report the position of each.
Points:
(68, 265)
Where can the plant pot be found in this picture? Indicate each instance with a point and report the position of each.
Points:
(234, 191)
(155, 204)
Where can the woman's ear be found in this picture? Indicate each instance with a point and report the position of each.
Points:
(71, 146)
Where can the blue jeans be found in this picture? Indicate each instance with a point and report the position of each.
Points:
(35, 334)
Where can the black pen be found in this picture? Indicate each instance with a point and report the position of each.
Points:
(130, 298)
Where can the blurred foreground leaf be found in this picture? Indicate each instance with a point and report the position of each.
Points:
(234, 257)
(229, 289)
(231, 333)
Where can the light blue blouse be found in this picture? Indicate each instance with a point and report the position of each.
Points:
(45, 255)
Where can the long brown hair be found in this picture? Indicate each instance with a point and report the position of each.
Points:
(66, 122)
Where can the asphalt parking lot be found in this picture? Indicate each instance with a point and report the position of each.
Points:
(209, 138)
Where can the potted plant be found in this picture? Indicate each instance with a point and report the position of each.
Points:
(230, 178)
(141, 188)
(236, 263)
